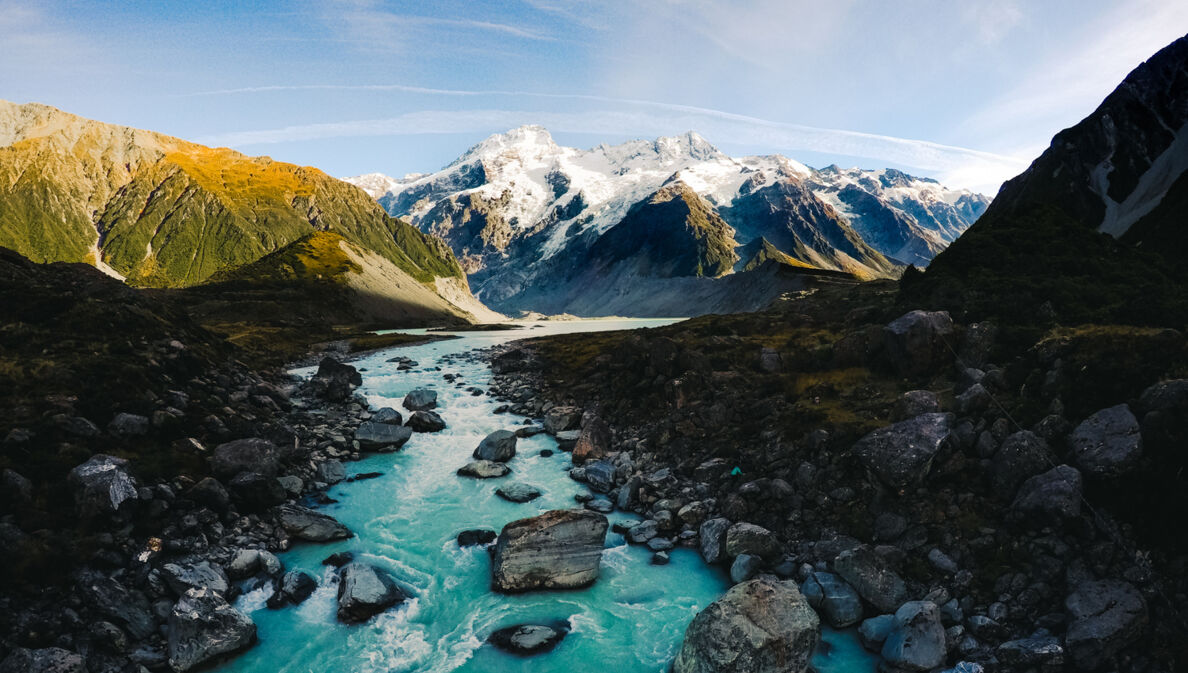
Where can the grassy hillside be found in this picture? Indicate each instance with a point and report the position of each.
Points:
(168, 213)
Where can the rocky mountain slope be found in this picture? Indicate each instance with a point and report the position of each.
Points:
(1094, 228)
(162, 212)
(523, 213)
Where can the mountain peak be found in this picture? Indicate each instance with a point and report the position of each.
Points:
(526, 139)
(689, 143)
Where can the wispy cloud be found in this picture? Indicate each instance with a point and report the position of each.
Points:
(967, 167)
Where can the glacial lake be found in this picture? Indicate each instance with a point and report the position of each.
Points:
(631, 620)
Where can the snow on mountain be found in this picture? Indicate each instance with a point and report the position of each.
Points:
(517, 199)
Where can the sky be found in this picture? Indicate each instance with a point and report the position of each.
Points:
(965, 91)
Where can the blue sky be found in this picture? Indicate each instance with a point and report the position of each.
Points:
(968, 92)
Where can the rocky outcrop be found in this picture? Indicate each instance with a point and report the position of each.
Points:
(102, 485)
(901, 455)
(499, 446)
(303, 523)
(560, 549)
(365, 591)
(758, 626)
(335, 380)
(204, 627)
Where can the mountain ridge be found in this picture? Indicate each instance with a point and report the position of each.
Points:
(515, 200)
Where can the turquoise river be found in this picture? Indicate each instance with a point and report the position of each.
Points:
(631, 620)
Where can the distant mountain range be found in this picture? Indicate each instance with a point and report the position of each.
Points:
(161, 212)
(651, 226)
(1095, 229)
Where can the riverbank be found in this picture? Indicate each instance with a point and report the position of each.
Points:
(880, 460)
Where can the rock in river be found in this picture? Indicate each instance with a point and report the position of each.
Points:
(484, 469)
(901, 454)
(421, 399)
(560, 549)
(499, 446)
(365, 590)
(382, 437)
(426, 421)
(758, 626)
(525, 639)
(202, 627)
(518, 492)
(306, 524)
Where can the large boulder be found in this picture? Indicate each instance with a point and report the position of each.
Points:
(916, 342)
(600, 475)
(382, 437)
(712, 540)
(833, 599)
(1021, 456)
(181, 577)
(871, 578)
(421, 399)
(560, 549)
(336, 380)
(900, 455)
(594, 441)
(484, 469)
(747, 538)
(245, 455)
(364, 591)
(916, 641)
(913, 403)
(204, 627)
(426, 421)
(1104, 616)
(102, 486)
(560, 419)
(46, 660)
(499, 446)
(387, 415)
(304, 523)
(127, 608)
(1050, 498)
(128, 425)
(1108, 443)
(758, 626)
(255, 491)
(295, 587)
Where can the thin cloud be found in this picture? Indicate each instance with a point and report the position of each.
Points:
(959, 162)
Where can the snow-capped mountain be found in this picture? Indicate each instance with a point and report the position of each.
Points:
(528, 218)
